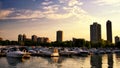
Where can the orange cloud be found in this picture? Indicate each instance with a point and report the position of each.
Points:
(5, 13)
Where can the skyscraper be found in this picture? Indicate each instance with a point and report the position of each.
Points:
(24, 37)
(109, 31)
(59, 36)
(20, 38)
(95, 32)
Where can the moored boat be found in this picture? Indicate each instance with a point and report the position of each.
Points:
(15, 52)
(55, 53)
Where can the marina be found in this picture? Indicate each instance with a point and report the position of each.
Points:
(59, 57)
(20, 51)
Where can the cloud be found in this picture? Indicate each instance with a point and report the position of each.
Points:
(47, 3)
(108, 2)
(25, 14)
(5, 13)
(71, 2)
(74, 2)
(51, 8)
(53, 11)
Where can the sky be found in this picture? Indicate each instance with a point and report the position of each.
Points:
(44, 17)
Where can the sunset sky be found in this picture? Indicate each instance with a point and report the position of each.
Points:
(44, 17)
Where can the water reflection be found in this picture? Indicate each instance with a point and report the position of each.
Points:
(14, 61)
(110, 60)
(55, 59)
(117, 60)
(118, 55)
(92, 61)
(96, 61)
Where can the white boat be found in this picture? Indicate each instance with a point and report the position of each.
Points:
(83, 52)
(68, 52)
(15, 52)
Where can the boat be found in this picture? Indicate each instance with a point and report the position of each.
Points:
(67, 52)
(15, 52)
(55, 53)
(116, 51)
(84, 53)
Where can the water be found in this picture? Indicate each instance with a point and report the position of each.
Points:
(92, 61)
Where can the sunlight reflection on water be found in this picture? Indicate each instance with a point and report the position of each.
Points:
(92, 61)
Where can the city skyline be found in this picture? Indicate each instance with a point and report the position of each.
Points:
(45, 17)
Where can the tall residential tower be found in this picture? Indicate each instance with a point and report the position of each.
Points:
(59, 36)
(109, 31)
(95, 32)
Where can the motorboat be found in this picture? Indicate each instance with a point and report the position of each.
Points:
(16, 52)
(83, 52)
(67, 52)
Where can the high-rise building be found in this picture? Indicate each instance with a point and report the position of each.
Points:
(20, 38)
(109, 31)
(34, 38)
(43, 40)
(95, 32)
(24, 37)
(59, 36)
(117, 39)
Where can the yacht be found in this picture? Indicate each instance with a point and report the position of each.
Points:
(16, 52)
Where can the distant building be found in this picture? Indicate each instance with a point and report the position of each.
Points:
(43, 40)
(117, 39)
(78, 42)
(109, 31)
(27, 39)
(59, 36)
(20, 37)
(24, 37)
(46, 40)
(39, 39)
(95, 32)
(34, 38)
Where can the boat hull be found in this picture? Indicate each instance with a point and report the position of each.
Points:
(15, 54)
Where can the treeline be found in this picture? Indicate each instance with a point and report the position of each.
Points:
(76, 43)
(7, 42)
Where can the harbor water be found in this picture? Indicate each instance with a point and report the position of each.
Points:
(91, 61)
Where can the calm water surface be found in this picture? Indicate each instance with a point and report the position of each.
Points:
(92, 61)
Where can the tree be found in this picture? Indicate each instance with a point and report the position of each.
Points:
(87, 44)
